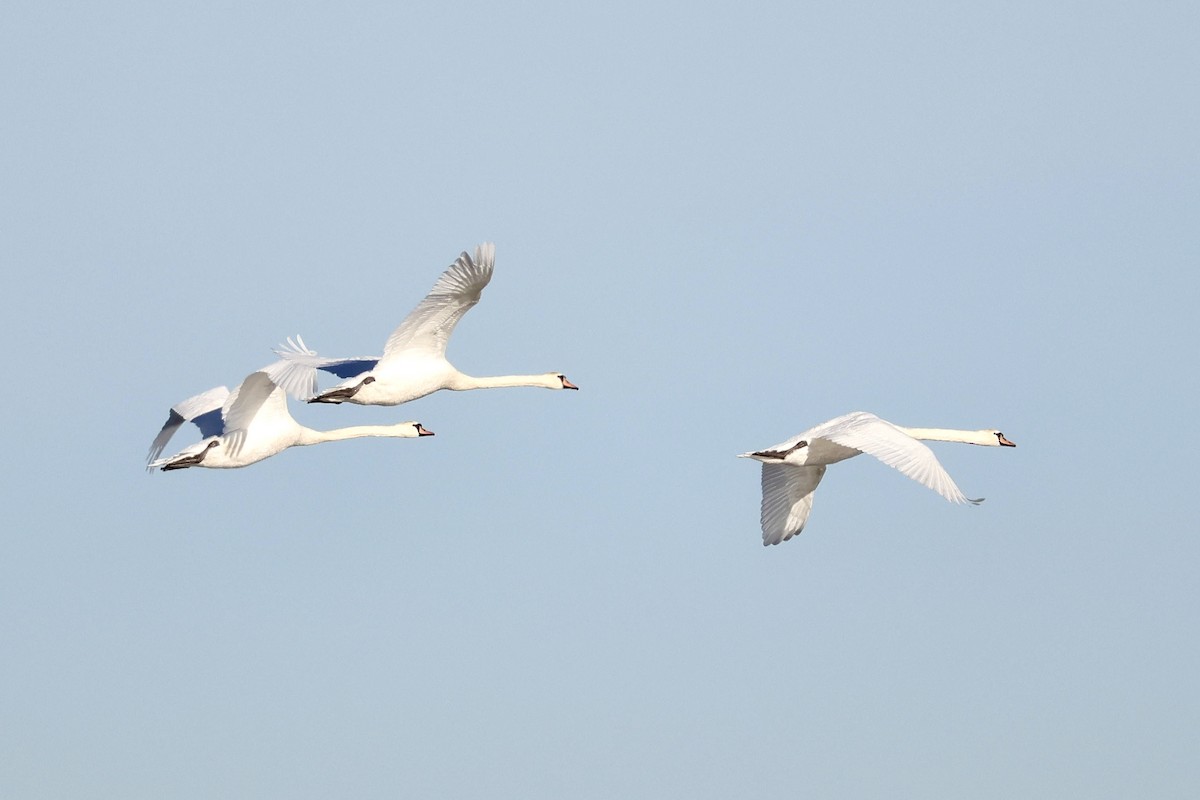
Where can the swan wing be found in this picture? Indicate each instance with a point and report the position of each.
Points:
(428, 327)
(203, 409)
(296, 370)
(880, 438)
(787, 498)
(257, 398)
(346, 368)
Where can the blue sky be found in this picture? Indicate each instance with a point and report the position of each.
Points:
(726, 225)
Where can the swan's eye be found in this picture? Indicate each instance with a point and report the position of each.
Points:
(213, 444)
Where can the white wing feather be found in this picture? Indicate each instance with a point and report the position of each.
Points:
(186, 411)
(257, 396)
(787, 498)
(296, 370)
(429, 325)
(883, 440)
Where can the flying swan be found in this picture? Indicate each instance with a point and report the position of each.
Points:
(414, 362)
(249, 424)
(791, 470)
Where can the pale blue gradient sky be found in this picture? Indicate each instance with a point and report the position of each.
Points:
(725, 225)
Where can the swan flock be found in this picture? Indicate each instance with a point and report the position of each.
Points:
(251, 423)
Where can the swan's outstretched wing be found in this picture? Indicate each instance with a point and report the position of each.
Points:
(880, 438)
(296, 370)
(430, 324)
(204, 410)
(787, 498)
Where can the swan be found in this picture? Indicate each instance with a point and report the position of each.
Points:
(414, 362)
(791, 470)
(249, 424)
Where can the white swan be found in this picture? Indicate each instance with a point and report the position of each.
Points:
(792, 469)
(414, 362)
(248, 425)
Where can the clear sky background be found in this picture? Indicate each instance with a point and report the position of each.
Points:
(726, 223)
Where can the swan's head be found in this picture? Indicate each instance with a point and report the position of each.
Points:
(411, 430)
(559, 381)
(997, 439)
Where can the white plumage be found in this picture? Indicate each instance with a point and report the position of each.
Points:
(414, 362)
(792, 469)
(249, 424)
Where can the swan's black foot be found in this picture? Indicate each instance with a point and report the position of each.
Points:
(184, 463)
(190, 461)
(345, 393)
(335, 396)
(781, 454)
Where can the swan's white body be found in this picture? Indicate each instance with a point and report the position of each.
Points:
(250, 424)
(792, 469)
(414, 362)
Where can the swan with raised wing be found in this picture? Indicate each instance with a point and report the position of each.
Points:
(414, 362)
(792, 469)
(249, 424)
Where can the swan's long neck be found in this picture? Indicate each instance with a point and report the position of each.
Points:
(310, 436)
(462, 381)
(951, 435)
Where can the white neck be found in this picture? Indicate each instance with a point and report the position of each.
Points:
(403, 431)
(503, 381)
(951, 435)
